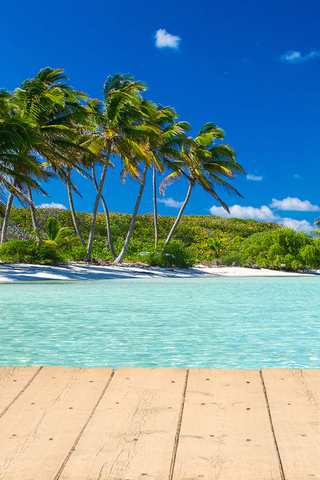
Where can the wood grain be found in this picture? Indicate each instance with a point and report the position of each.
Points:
(13, 380)
(132, 433)
(294, 400)
(38, 431)
(225, 432)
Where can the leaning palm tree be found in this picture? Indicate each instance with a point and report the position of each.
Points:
(161, 151)
(121, 255)
(164, 148)
(205, 164)
(60, 117)
(121, 133)
(18, 167)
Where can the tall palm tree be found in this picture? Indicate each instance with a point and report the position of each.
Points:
(18, 168)
(121, 255)
(205, 164)
(161, 151)
(121, 133)
(106, 213)
(164, 148)
(60, 117)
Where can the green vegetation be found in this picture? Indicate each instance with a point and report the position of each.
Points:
(198, 239)
(283, 248)
(174, 255)
(48, 129)
(27, 251)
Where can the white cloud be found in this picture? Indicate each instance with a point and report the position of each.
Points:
(295, 57)
(297, 176)
(52, 205)
(294, 204)
(263, 213)
(255, 178)
(164, 39)
(170, 202)
(296, 224)
(236, 211)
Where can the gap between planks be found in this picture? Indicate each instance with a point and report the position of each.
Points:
(176, 441)
(83, 429)
(21, 392)
(272, 427)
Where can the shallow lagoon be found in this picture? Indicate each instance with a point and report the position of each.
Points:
(163, 322)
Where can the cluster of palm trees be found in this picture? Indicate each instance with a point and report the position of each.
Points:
(48, 129)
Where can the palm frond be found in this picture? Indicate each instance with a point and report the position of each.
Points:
(169, 180)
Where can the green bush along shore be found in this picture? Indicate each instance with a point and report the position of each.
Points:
(201, 238)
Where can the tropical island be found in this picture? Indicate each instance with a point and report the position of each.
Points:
(50, 130)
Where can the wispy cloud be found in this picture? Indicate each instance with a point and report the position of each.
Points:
(255, 178)
(294, 205)
(295, 57)
(170, 202)
(164, 39)
(297, 176)
(52, 205)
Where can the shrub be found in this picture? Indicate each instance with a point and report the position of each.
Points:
(310, 254)
(27, 251)
(231, 258)
(48, 254)
(100, 250)
(173, 255)
(75, 253)
(282, 248)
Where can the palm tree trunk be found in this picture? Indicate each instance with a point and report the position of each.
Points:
(106, 212)
(155, 210)
(73, 213)
(6, 218)
(120, 257)
(33, 213)
(180, 214)
(95, 209)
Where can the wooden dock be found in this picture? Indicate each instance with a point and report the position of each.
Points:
(159, 424)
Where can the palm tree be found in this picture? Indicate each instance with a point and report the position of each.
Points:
(204, 164)
(163, 148)
(121, 132)
(121, 255)
(161, 151)
(18, 168)
(106, 213)
(60, 117)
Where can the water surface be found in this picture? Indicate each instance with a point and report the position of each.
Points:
(215, 322)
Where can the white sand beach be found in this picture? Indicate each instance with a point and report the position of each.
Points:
(75, 271)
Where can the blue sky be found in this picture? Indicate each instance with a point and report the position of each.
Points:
(251, 67)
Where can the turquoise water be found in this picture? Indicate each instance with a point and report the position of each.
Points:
(192, 322)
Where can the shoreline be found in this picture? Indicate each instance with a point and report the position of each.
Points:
(12, 273)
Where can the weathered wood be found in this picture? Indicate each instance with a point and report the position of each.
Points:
(226, 432)
(41, 427)
(294, 400)
(13, 380)
(132, 432)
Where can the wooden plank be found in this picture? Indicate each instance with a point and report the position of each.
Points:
(38, 431)
(132, 432)
(225, 431)
(13, 380)
(294, 400)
